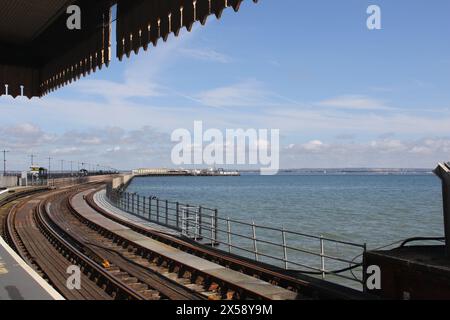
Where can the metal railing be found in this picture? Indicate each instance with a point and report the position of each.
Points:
(191, 221)
(324, 256)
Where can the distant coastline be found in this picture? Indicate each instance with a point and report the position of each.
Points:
(301, 171)
(350, 171)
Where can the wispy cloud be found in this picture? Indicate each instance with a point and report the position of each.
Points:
(248, 93)
(206, 54)
(354, 102)
(142, 74)
(114, 91)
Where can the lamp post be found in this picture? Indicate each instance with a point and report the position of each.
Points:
(49, 165)
(32, 156)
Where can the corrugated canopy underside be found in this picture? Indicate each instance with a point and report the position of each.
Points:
(22, 20)
(38, 53)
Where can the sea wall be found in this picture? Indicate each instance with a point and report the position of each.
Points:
(122, 181)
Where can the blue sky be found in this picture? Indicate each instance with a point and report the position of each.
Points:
(342, 95)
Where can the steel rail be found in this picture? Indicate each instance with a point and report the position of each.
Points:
(166, 287)
(110, 284)
(101, 279)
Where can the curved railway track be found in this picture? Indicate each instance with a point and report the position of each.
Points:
(51, 235)
(29, 232)
(115, 259)
(50, 245)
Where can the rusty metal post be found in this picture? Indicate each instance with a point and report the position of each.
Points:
(446, 206)
(443, 172)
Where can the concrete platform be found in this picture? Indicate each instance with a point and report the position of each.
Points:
(252, 284)
(20, 282)
(101, 200)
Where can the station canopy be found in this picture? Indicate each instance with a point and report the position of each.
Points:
(39, 53)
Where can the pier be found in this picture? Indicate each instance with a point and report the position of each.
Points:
(148, 172)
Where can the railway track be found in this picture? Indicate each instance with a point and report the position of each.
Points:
(50, 234)
(128, 267)
(51, 246)
(24, 235)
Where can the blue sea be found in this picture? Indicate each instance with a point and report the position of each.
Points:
(376, 209)
(372, 209)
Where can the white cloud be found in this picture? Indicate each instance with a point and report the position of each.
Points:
(138, 147)
(313, 145)
(383, 153)
(147, 146)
